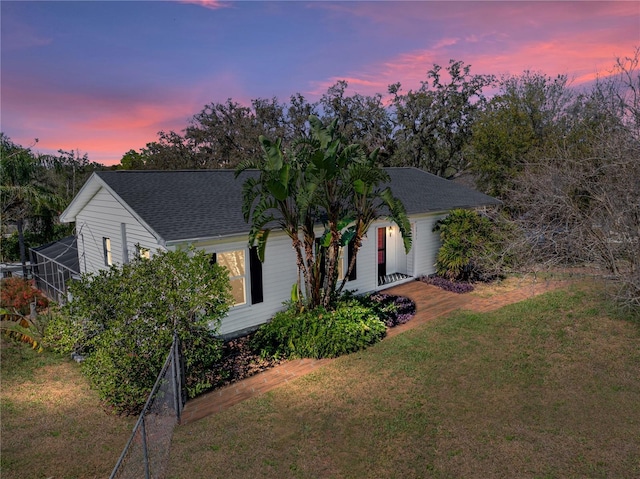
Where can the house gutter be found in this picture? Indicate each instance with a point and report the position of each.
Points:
(202, 239)
(240, 234)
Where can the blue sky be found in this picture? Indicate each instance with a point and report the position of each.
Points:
(105, 77)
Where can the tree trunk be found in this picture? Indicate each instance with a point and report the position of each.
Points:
(302, 270)
(23, 252)
(357, 243)
(331, 263)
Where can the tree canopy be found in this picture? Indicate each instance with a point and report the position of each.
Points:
(433, 124)
(516, 124)
(34, 189)
(428, 128)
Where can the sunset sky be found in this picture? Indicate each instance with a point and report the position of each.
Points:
(105, 77)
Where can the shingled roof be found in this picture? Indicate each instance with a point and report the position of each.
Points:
(187, 205)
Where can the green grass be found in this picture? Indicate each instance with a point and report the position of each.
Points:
(20, 362)
(52, 424)
(549, 387)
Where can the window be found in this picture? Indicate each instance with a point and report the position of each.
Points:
(342, 263)
(234, 261)
(144, 253)
(106, 247)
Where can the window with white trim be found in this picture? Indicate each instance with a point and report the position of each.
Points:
(234, 261)
(345, 255)
(144, 253)
(106, 247)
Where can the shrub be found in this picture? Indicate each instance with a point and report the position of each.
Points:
(447, 285)
(391, 309)
(24, 328)
(319, 333)
(123, 320)
(17, 294)
(469, 246)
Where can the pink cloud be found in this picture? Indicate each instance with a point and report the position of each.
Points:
(357, 84)
(502, 38)
(446, 42)
(210, 4)
(103, 127)
(105, 124)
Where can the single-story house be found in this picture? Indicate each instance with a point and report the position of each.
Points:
(121, 214)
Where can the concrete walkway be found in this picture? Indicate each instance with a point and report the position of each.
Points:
(431, 302)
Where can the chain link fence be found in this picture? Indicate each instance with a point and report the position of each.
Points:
(147, 452)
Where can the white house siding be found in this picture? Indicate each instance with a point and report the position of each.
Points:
(420, 259)
(366, 275)
(426, 243)
(411, 257)
(279, 269)
(102, 218)
(279, 273)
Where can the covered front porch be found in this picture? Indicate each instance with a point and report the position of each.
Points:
(394, 265)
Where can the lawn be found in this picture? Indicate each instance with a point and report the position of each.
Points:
(546, 388)
(53, 425)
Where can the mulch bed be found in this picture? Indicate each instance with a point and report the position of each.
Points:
(240, 362)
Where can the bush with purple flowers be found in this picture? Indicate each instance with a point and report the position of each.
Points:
(391, 309)
(447, 285)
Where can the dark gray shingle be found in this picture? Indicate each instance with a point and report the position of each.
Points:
(422, 192)
(182, 205)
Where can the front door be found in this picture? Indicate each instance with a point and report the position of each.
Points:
(382, 252)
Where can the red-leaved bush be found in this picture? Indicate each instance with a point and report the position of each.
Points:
(17, 293)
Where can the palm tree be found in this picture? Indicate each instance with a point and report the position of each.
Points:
(279, 197)
(322, 182)
(369, 202)
(20, 194)
(351, 195)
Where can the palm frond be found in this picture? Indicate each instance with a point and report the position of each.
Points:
(20, 328)
(248, 164)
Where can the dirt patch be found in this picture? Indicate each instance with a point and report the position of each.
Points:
(534, 281)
